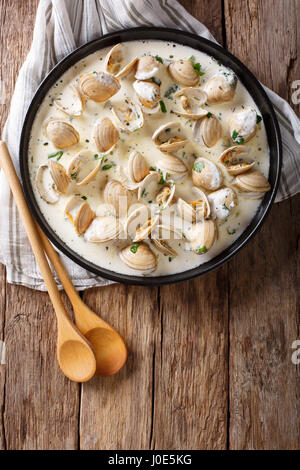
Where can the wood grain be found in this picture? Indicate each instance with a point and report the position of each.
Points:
(264, 281)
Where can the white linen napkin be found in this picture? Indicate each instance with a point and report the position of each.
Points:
(61, 26)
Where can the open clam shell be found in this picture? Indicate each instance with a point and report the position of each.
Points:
(190, 103)
(208, 131)
(206, 174)
(173, 166)
(105, 135)
(202, 236)
(76, 99)
(147, 67)
(146, 229)
(114, 62)
(59, 176)
(230, 158)
(195, 209)
(242, 125)
(220, 88)
(222, 202)
(137, 218)
(253, 182)
(103, 229)
(169, 137)
(62, 134)
(166, 195)
(83, 168)
(129, 116)
(161, 236)
(148, 95)
(140, 257)
(118, 196)
(99, 87)
(79, 213)
(45, 185)
(148, 187)
(183, 72)
(138, 167)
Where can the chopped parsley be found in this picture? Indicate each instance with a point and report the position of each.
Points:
(159, 59)
(170, 259)
(84, 198)
(237, 138)
(46, 143)
(196, 66)
(225, 208)
(134, 247)
(258, 119)
(198, 166)
(231, 231)
(201, 249)
(97, 156)
(152, 168)
(163, 106)
(170, 91)
(209, 115)
(56, 154)
(107, 167)
(74, 175)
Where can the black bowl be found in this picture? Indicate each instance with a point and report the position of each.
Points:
(196, 42)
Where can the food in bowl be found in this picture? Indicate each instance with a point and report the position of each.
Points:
(148, 158)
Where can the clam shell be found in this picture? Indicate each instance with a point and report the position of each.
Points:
(136, 218)
(61, 134)
(77, 106)
(234, 165)
(161, 234)
(166, 195)
(129, 116)
(125, 180)
(83, 168)
(45, 186)
(114, 61)
(118, 196)
(164, 247)
(103, 229)
(99, 87)
(253, 181)
(206, 174)
(208, 130)
(59, 176)
(137, 167)
(173, 166)
(242, 125)
(195, 209)
(148, 94)
(145, 230)
(169, 137)
(202, 236)
(219, 90)
(147, 67)
(222, 203)
(192, 101)
(79, 213)
(143, 259)
(149, 185)
(183, 73)
(105, 135)
(186, 211)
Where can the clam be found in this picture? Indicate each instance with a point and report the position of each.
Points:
(242, 125)
(206, 174)
(198, 207)
(140, 257)
(208, 130)
(125, 180)
(79, 213)
(145, 230)
(173, 166)
(192, 101)
(148, 187)
(137, 218)
(186, 211)
(164, 247)
(83, 168)
(161, 234)
(148, 94)
(118, 196)
(77, 103)
(147, 67)
(59, 176)
(166, 195)
(129, 116)
(103, 229)
(62, 134)
(137, 167)
(183, 72)
(114, 60)
(233, 164)
(99, 87)
(222, 202)
(220, 88)
(169, 137)
(105, 135)
(45, 185)
(253, 182)
(202, 236)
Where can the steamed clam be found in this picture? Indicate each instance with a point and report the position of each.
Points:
(45, 185)
(161, 236)
(220, 88)
(197, 208)
(146, 229)
(83, 168)
(166, 195)
(183, 72)
(252, 184)
(105, 135)
(222, 202)
(118, 196)
(129, 116)
(169, 137)
(114, 61)
(138, 167)
(140, 257)
(77, 101)
(79, 213)
(99, 87)
(192, 101)
(59, 176)
(103, 229)
(148, 187)
(148, 94)
(206, 174)
(62, 134)
(173, 166)
(243, 125)
(208, 130)
(147, 67)
(230, 158)
(202, 236)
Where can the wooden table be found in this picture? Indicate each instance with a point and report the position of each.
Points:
(209, 363)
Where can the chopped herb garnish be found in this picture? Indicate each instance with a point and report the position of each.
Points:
(97, 156)
(237, 138)
(46, 143)
(209, 115)
(107, 167)
(84, 198)
(156, 80)
(219, 63)
(163, 106)
(134, 247)
(225, 208)
(168, 129)
(170, 259)
(74, 175)
(231, 231)
(197, 67)
(201, 249)
(234, 135)
(198, 166)
(159, 59)
(170, 91)
(56, 154)
(144, 192)
(162, 180)
(258, 119)
(152, 168)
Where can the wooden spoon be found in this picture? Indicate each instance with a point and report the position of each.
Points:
(74, 353)
(109, 347)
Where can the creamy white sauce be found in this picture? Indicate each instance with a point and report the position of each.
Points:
(107, 255)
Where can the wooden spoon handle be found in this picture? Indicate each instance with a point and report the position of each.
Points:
(30, 227)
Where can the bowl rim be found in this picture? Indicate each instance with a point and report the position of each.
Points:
(183, 38)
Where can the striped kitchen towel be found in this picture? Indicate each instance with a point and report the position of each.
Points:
(61, 26)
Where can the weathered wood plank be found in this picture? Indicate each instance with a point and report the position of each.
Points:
(191, 360)
(2, 366)
(264, 384)
(39, 407)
